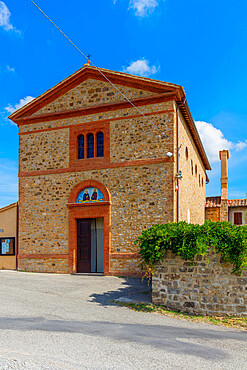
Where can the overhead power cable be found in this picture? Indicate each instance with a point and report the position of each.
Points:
(98, 69)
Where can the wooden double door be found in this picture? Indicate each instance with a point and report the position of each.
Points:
(90, 245)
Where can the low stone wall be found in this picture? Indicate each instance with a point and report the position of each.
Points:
(206, 288)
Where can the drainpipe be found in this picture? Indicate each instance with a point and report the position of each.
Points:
(177, 145)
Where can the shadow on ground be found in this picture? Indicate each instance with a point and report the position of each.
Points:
(132, 290)
(173, 339)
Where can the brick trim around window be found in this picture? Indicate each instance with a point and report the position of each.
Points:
(85, 129)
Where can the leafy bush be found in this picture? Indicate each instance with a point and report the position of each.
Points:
(189, 241)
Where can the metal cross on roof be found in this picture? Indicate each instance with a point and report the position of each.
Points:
(88, 58)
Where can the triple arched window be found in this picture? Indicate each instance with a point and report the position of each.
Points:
(91, 145)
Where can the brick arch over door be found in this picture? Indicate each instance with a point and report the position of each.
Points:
(86, 184)
(88, 210)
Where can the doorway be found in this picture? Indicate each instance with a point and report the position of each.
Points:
(90, 245)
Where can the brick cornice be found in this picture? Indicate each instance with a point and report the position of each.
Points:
(100, 108)
(43, 256)
(92, 166)
(96, 122)
(96, 204)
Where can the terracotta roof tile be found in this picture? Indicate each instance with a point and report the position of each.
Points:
(213, 202)
(237, 202)
(216, 201)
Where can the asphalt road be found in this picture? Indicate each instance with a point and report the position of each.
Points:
(68, 322)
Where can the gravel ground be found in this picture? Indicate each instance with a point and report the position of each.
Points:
(51, 321)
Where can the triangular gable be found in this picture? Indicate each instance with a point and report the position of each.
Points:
(91, 93)
(86, 73)
(130, 84)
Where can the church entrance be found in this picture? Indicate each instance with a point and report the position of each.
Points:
(90, 245)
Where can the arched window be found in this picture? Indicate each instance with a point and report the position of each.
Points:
(90, 145)
(100, 144)
(196, 169)
(186, 153)
(81, 147)
(191, 166)
(199, 180)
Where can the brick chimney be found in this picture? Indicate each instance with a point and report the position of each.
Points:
(224, 156)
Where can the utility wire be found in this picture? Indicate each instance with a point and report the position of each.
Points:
(98, 69)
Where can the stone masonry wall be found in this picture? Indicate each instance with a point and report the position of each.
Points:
(83, 120)
(140, 197)
(212, 213)
(91, 92)
(130, 139)
(44, 150)
(192, 188)
(137, 139)
(203, 289)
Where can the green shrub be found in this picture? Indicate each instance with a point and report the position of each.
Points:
(189, 241)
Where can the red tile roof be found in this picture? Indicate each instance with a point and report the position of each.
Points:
(213, 202)
(237, 202)
(216, 201)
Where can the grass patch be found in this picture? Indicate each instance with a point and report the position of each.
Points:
(229, 321)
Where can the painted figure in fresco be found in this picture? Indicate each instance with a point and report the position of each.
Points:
(94, 195)
(86, 195)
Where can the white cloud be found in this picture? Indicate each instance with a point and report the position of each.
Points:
(143, 7)
(141, 67)
(213, 140)
(10, 69)
(240, 145)
(10, 108)
(5, 18)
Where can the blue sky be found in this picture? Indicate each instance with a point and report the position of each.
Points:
(200, 45)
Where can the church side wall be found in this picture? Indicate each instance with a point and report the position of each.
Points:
(192, 192)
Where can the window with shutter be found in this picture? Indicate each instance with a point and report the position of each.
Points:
(238, 218)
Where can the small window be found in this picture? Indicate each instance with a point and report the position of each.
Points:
(100, 144)
(196, 170)
(90, 145)
(202, 181)
(199, 180)
(186, 153)
(192, 167)
(238, 218)
(7, 246)
(81, 147)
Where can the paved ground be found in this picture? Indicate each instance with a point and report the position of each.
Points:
(68, 322)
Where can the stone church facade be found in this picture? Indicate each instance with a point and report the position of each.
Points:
(93, 172)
